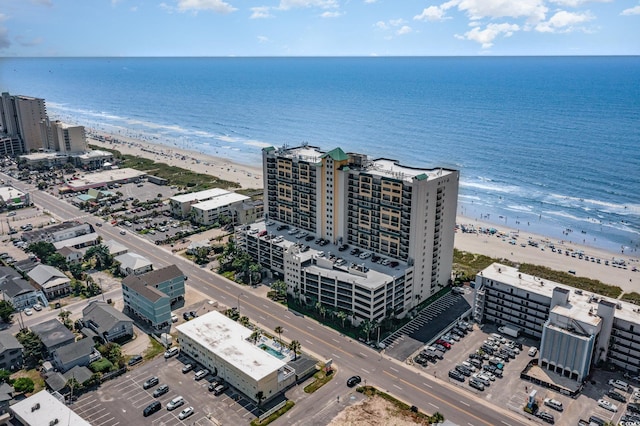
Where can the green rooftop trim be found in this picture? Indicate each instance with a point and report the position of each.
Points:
(269, 149)
(336, 154)
(421, 176)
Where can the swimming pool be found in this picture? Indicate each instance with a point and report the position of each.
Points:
(271, 351)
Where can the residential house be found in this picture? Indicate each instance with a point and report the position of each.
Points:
(169, 280)
(115, 248)
(10, 352)
(58, 232)
(81, 241)
(70, 254)
(146, 302)
(53, 282)
(25, 265)
(58, 382)
(106, 322)
(133, 264)
(18, 291)
(6, 396)
(80, 353)
(53, 334)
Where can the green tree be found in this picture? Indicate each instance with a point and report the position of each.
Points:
(73, 384)
(100, 255)
(295, 346)
(280, 287)
(342, 316)
(64, 316)
(6, 310)
(367, 326)
(76, 270)
(42, 249)
(255, 336)
(57, 261)
(260, 397)
(279, 331)
(201, 255)
(33, 348)
(244, 320)
(5, 376)
(23, 385)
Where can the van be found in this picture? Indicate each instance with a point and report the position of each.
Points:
(171, 352)
(151, 408)
(619, 384)
(553, 403)
(498, 337)
(469, 365)
(175, 403)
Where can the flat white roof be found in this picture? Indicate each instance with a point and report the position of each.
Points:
(9, 192)
(227, 340)
(580, 303)
(105, 177)
(49, 409)
(70, 242)
(391, 168)
(220, 201)
(200, 195)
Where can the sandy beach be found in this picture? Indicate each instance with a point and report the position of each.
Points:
(244, 175)
(498, 245)
(494, 245)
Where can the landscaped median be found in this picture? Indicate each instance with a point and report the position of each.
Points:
(273, 416)
(321, 377)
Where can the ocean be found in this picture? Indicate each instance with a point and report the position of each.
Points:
(543, 144)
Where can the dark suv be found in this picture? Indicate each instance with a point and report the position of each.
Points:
(150, 383)
(152, 408)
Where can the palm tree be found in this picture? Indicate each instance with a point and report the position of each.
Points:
(255, 336)
(366, 326)
(244, 320)
(279, 331)
(342, 315)
(323, 311)
(318, 306)
(295, 346)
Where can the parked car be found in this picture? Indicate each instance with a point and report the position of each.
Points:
(617, 396)
(219, 390)
(162, 389)
(151, 408)
(171, 352)
(619, 384)
(475, 383)
(456, 375)
(545, 416)
(533, 351)
(37, 307)
(463, 370)
(607, 405)
(136, 359)
(175, 403)
(353, 380)
(555, 404)
(187, 368)
(185, 413)
(151, 382)
(201, 374)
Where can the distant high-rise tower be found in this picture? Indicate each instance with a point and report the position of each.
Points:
(20, 118)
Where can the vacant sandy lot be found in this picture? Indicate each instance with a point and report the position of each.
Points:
(372, 411)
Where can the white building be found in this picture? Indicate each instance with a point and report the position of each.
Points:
(208, 212)
(14, 198)
(220, 345)
(576, 329)
(180, 205)
(44, 409)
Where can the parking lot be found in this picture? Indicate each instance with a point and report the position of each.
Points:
(122, 400)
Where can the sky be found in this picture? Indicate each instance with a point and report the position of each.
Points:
(318, 27)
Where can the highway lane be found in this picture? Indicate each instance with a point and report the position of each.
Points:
(426, 392)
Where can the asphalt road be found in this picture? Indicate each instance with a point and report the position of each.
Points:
(428, 393)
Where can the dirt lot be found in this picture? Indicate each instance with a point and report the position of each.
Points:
(372, 411)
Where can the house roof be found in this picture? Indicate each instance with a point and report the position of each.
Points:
(103, 315)
(115, 247)
(12, 284)
(81, 239)
(79, 372)
(47, 276)
(161, 275)
(8, 342)
(75, 350)
(56, 381)
(133, 261)
(150, 293)
(52, 333)
(336, 154)
(25, 265)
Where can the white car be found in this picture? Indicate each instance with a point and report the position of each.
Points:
(185, 413)
(175, 403)
(37, 307)
(28, 312)
(533, 351)
(619, 384)
(636, 394)
(607, 405)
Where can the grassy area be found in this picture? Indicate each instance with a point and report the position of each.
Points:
(273, 417)
(467, 265)
(33, 374)
(153, 350)
(321, 378)
(403, 409)
(180, 177)
(632, 297)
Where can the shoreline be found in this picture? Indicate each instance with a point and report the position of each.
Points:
(497, 245)
(250, 177)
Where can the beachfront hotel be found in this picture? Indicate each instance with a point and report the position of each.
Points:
(20, 118)
(397, 221)
(576, 329)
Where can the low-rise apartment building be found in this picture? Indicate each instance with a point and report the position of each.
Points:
(576, 329)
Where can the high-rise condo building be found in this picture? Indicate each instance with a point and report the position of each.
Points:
(20, 118)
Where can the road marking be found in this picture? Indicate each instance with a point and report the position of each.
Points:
(262, 318)
(436, 407)
(503, 422)
(265, 306)
(396, 386)
(464, 403)
(362, 355)
(394, 369)
(308, 341)
(427, 385)
(365, 371)
(310, 328)
(287, 316)
(335, 356)
(337, 341)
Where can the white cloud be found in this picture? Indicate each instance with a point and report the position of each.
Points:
(42, 2)
(134, 8)
(577, 3)
(531, 10)
(489, 34)
(297, 4)
(381, 25)
(331, 14)
(631, 11)
(263, 39)
(260, 12)
(217, 6)
(405, 29)
(370, 1)
(563, 21)
(431, 13)
(396, 22)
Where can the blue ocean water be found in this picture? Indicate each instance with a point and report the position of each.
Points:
(546, 144)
